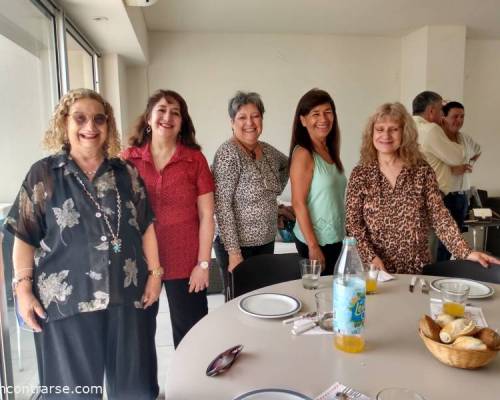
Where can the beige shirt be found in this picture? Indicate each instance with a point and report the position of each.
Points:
(439, 151)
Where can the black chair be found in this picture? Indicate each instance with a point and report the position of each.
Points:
(263, 270)
(464, 269)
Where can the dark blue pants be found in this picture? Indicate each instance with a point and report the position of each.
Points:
(223, 259)
(330, 251)
(458, 204)
(76, 352)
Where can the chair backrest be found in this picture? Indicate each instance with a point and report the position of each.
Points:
(464, 269)
(263, 270)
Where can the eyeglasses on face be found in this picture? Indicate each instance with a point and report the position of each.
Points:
(81, 119)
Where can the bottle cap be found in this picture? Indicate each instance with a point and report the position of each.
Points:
(350, 240)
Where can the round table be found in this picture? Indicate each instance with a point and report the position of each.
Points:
(273, 358)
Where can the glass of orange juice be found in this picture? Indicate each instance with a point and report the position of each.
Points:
(454, 295)
(371, 279)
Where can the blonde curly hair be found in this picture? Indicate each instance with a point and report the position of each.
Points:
(409, 151)
(56, 138)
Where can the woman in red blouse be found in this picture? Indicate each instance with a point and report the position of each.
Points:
(393, 199)
(180, 188)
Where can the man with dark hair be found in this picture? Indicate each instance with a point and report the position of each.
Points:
(440, 152)
(457, 200)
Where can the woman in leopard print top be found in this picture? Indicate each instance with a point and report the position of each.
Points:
(393, 199)
(249, 174)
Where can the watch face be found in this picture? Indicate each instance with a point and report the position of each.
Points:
(203, 264)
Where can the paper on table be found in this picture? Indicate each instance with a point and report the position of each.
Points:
(314, 331)
(473, 313)
(384, 276)
(337, 387)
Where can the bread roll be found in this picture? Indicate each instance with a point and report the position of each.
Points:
(443, 319)
(489, 337)
(469, 343)
(429, 328)
(457, 328)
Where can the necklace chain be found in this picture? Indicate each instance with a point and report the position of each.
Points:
(116, 242)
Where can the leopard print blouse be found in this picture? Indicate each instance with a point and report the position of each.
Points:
(246, 208)
(394, 224)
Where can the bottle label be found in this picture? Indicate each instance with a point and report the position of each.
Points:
(349, 305)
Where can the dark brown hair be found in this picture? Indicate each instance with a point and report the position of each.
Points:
(140, 133)
(300, 136)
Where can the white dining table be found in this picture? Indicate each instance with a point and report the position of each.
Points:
(272, 357)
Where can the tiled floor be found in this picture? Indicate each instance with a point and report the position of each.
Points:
(164, 345)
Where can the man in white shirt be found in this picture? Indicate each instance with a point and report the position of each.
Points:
(457, 200)
(441, 153)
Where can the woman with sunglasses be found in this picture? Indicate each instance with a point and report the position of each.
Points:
(85, 257)
(180, 188)
(249, 174)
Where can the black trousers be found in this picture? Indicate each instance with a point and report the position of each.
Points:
(223, 259)
(75, 353)
(330, 251)
(457, 203)
(186, 309)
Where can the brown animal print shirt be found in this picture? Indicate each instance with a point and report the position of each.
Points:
(394, 223)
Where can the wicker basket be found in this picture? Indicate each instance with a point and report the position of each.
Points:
(459, 358)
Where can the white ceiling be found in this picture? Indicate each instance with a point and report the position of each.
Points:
(348, 17)
(353, 17)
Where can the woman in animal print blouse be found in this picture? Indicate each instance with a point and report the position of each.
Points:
(249, 174)
(393, 199)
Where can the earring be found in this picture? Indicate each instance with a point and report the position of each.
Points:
(148, 129)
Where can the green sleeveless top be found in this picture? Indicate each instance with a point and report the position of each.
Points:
(325, 202)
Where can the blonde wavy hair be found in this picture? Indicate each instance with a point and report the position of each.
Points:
(409, 151)
(56, 136)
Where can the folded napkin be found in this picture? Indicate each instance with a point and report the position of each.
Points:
(384, 276)
(337, 387)
(471, 312)
(306, 323)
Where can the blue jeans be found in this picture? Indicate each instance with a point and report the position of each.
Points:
(458, 204)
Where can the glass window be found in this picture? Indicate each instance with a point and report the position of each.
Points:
(29, 82)
(80, 65)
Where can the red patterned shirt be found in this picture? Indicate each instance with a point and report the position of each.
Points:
(173, 193)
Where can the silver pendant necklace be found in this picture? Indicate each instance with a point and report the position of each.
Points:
(116, 243)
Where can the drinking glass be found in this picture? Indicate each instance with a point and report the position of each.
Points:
(371, 279)
(310, 270)
(324, 309)
(398, 394)
(454, 296)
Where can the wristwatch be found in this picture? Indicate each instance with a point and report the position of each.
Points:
(203, 264)
(157, 272)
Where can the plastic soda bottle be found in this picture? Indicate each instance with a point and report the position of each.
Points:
(349, 294)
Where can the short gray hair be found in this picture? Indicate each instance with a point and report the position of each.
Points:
(243, 98)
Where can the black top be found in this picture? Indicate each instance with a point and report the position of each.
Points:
(76, 268)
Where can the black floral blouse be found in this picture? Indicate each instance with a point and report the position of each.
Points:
(76, 268)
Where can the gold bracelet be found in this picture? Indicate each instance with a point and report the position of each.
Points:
(156, 272)
(17, 281)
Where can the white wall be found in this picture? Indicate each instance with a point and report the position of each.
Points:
(114, 88)
(482, 110)
(207, 69)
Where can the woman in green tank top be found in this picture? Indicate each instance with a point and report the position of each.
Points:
(317, 179)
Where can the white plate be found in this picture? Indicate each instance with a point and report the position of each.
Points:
(272, 394)
(270, 305)
(477, 290)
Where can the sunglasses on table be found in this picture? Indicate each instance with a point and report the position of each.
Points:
(81, 119)
(224, 361)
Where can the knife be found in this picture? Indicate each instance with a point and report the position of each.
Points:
(412, 283)
(306, 315)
